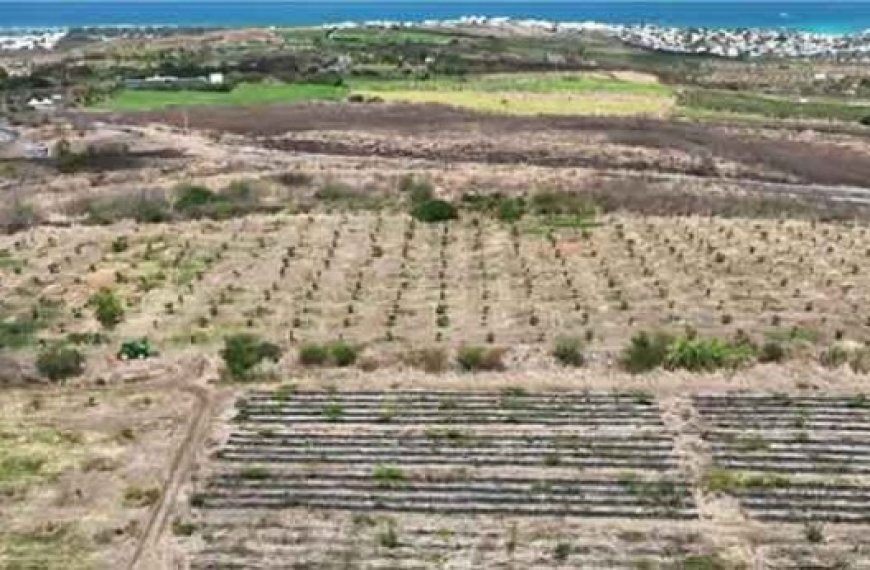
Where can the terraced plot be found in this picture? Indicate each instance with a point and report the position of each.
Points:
(450, 457)
(633, 410)
(820, 440)
(438, 479)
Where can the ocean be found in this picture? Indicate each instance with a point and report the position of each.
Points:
(825, 17)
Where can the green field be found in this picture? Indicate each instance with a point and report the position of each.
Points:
(709, 103)
(523, 93)
(516, 94)
(244, 94)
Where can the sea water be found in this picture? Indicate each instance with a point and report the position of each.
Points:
(826, 17)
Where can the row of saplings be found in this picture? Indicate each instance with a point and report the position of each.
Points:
(246, 354)
(645, 352)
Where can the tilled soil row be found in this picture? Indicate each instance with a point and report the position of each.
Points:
(435, 396)
(600, 461)
(448, 419)
(452, 506)
(478, 442)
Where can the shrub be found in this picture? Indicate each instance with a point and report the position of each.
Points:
(569, 351)
(242, 352)
(337, 353)
(834, 357)
(190, 199)
(388, 475)
(645, 352)
(846, 352)
(860, 361)
(511, 209)
(342, 354)
(562, 203)
(475, 358)
(313, 355)
(771, 351)
(107, 308)
(418, 191)
(432, 211)
(705, 354)
(136, 497)
(432, 360)
(563, 549)
(17, 216)
(146, 207)
(60, 362)
(120, 244)
(814, 532)
(388, 537)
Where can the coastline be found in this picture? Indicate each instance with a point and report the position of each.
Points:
(811, 17)
(715, 41)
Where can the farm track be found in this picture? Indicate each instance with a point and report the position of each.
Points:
(182, 461)
(355, 465)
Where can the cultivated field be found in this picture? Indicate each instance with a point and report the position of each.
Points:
(384, 333)
(524, 94)
(391, 284)
(510, 479)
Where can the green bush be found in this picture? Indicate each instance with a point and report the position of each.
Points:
(432, 211)
(772, 351)
(569, 351)
(388, 475)
(511, 209)
(313, 355)
(342, 354)
(707, 355)
(645, 352)
(120, 244)
(146, 207)
(190, 199)
(477, 358)
(337, 353)
(562, 203)
(59, 362)
(108, 308)
(242, 352)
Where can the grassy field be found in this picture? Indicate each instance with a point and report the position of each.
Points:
(583, 83)
(244, 94)
(531, 94)
(517, 94)
(514, 103)
(701, 103)
(526, 93)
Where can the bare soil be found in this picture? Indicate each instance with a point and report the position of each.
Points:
(809, 162)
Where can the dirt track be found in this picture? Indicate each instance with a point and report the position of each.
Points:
(147, 553)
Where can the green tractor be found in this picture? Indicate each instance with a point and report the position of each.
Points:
(139, 349)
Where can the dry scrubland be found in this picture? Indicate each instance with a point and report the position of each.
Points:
(470, 393)
(80, 470)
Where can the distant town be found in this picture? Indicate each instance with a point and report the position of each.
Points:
(745, 43)
(726, 43)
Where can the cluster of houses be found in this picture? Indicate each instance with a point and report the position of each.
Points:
(31, 41)
(746, 42)
(170, 81)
